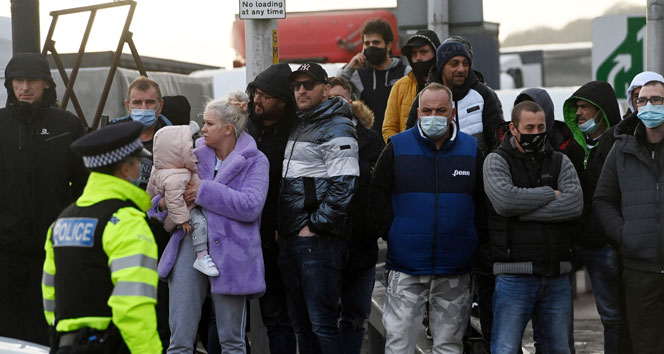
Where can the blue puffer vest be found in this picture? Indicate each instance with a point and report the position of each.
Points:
(433, 231)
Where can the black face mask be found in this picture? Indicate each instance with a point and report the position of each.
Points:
(421, 69)
(375, 55)
(532, 142)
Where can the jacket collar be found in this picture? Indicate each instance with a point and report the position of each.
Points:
(245, 147)
(102, 187)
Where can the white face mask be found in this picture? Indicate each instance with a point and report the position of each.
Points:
(434, 127)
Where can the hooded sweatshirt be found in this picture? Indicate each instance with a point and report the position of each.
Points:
(39, 173)
(373, 86)
(560, 137)
(638, 81)
(174, 166)
(601, 95)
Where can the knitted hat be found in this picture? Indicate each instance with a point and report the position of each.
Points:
(449, 50)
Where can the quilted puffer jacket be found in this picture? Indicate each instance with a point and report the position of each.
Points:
(320, 171)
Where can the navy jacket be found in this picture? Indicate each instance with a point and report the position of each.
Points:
(427, 198)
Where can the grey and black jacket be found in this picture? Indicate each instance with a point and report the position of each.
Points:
(629, 198)
(320, 171)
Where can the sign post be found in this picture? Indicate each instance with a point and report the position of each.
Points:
(261, 43)
(618, 50)
(261, 46)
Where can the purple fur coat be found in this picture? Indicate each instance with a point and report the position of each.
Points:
(233, 202)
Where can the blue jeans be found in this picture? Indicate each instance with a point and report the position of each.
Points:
(518, 298)
(602, 266)
(356, 306)
(311, 269)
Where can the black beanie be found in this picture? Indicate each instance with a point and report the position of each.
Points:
(449, 50)
(419, 39)
(177, 109)
(274, 82)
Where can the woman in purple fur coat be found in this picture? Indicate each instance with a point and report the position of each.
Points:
(232, 191)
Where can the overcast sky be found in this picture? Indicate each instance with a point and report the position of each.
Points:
(199, 30)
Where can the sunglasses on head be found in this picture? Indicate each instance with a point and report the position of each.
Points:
(308, 85)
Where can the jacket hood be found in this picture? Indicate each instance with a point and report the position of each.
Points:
(173, 148)
(627, 126)
(542, 98)
(419, 39)
(274, 82)
(31, 66)
(363, 113)
(602, 96)
(640, 80)
(333, 106)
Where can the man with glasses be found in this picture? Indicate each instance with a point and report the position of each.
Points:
(320, 173)
(629, 202)
(590, 113)
(144, 105)
(271, 117)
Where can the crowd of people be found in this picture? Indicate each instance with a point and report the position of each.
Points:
(150, 235)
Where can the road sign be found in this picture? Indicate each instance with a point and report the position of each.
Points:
(263, 10)
(618, 50)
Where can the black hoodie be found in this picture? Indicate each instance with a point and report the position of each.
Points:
(272, 140)
(37, 164)
(602, 96)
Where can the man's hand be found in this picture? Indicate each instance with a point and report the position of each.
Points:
(190, 193)
(186, 227)
(558, 193)
(358, 61)
(305, 232)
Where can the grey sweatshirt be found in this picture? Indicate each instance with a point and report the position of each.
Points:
(531, 204)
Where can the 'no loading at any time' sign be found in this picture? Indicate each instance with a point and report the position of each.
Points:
(256, 9)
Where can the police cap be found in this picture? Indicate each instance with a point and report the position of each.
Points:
(109, 145)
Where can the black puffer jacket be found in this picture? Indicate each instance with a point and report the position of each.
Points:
(629, 198)
(320, 171)
(37, 164)
(601, 95)
(479, 111)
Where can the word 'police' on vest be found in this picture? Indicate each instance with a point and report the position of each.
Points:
(74, 232)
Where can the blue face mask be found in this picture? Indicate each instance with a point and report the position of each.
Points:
(147, 117)
(434, 127)
(651, 115)
(590, 126)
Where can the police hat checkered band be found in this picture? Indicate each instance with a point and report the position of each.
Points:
(112, 156)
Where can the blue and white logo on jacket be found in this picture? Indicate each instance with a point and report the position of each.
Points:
(74, 232)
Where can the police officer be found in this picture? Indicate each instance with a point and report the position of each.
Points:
(101, 257)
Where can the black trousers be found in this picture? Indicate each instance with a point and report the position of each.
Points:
(644, 296)
(21, 308)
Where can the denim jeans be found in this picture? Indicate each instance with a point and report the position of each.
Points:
(602, 266)
(356, 294)
(311, 269)
(518, 298)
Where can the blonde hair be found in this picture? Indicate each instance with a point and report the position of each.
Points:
(230, 110)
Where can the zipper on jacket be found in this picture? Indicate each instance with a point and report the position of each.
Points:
(20, 139)
(435, 225)
(659, 243)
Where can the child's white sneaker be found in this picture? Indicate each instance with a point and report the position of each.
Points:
(206, 266)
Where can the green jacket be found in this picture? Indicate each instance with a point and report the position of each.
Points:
(134, 314)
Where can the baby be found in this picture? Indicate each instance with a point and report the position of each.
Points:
(174, 166)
